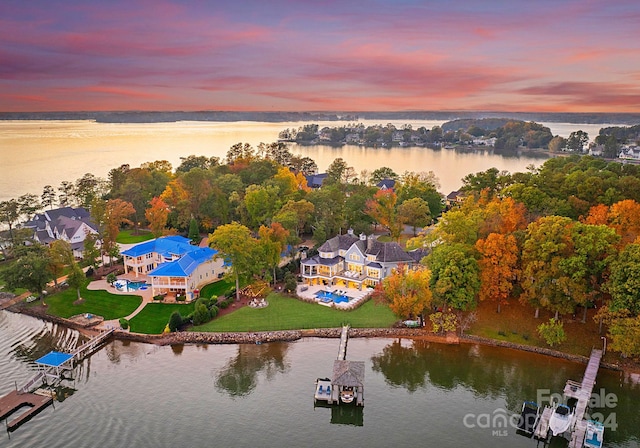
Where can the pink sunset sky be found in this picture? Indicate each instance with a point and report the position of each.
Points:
(508, 55)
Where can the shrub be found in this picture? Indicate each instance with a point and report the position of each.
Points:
(111, 278)
(224, 304)
(213, 311)
(124, 323)
(201, 314)
(175, 321)
(89, 272)
(158, 297)
(181, 298)
(443, 322)
(290, 282)
(552, 332)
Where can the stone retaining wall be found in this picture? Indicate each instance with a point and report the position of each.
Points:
(188, 337)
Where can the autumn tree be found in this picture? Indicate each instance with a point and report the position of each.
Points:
(272, 242)
(117, 213)
(235, 243)
(414, 212)
(59, 256)
(498, 267)
(624, 217)
(382, 208)
(157, 215)
(624, 281)
(407, 292)
(303, 211)
(261, 203)
(454, 276)
(563, 261)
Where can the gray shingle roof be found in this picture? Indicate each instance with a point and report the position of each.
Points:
(388, 252)
(348, 373)
(339, 242)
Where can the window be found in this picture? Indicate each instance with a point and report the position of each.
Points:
(354, 256)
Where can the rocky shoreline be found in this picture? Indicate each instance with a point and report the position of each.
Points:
(259, 337)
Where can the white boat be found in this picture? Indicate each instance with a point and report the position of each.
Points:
(595, 435)
(347, 395)
(561, 419)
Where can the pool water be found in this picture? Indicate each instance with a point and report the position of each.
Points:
(134, 286)
(326, 297)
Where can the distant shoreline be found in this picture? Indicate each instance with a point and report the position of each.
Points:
(283, 116)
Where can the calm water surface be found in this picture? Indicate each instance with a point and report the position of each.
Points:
(38, 153)
(417, 393)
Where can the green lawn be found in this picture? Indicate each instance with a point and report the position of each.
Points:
(132, 237)
(285, 313)
(154, 316)
(218, 288)
(101, 303)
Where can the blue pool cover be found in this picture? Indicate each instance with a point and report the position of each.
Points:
(54, 359)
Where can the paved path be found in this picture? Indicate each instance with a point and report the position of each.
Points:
(146, 295)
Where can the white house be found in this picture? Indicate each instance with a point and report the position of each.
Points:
(66, 223)
(355, 261)
(173, 265)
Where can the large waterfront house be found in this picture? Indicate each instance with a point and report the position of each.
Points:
(173, 265)
(65, 223)
(356, 261)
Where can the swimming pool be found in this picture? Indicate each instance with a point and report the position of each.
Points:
(326, 297)
(134, 286)
(128, 285)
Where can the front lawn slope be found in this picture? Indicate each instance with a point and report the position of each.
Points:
(286, 313)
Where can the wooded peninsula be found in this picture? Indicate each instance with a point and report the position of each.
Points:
(561, 240)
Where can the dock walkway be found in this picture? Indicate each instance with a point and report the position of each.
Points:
(15, 400)
(344, 338)
(583, 394)
(22, 396)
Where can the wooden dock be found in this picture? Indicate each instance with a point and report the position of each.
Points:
(15, 400)
(542, 429)
(582, 393)
(91, 345)
(23, 396)
(342, 349)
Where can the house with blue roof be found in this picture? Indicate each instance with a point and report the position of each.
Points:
(173, 265)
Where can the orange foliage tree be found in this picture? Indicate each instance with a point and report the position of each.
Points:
(157, 215)
(498, 267)
(407, 292)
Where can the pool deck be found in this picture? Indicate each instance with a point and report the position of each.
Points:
(355, 295)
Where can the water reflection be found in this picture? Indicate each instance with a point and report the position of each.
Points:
(486, 371)
(344, 414)
(239, 377)
(40, 342)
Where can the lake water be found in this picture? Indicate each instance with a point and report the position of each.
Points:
(417, 394)
(38, 153)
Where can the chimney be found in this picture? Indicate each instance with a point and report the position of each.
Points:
(370, 242)
(350, 231)
(363, 237)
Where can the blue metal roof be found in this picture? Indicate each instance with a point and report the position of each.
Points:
(165, 246)
(54, 359)
(185, 265)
